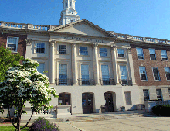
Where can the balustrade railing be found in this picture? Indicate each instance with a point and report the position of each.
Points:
(86, 81)
(126, 82)
(24, 26)
(14, 25)
(107, 81)
(139, 38)
(64, 81)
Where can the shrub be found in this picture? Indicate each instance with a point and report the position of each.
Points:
(163, 110)
(41, 124)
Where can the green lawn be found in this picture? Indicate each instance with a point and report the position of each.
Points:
(11, 128)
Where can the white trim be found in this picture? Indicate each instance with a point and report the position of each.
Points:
(142, 52)
(150, 53)
(17, 39)
(141, 74)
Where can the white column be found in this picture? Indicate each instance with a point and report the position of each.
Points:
(95, 64)
(74, 64)
(114, 65)
(51, 64)
(28, 52)
(131, 66)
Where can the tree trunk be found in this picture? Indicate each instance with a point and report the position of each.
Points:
(19, 118)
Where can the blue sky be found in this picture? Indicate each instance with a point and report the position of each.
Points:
(146, 18)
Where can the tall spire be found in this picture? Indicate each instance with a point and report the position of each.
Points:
(68, 14)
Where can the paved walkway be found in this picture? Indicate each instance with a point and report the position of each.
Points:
(128, 121)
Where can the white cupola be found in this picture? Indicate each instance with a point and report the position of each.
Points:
(68, 14)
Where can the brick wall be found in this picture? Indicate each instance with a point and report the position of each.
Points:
(21, 43)
(149, 64)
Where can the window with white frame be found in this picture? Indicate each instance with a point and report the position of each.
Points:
(103, 52)
(40, 68)
(12, 43)
(124, 75)
(62, 74)
(146, 94)
(83, 50)
(164, 55)
(40, 48)
(156, 73)
(62, 49)
(167, 73)
(105, 74)
(143, 74)
(140, 53)
(120, 53)
(152, 54)
(85, 74)
(159, 94)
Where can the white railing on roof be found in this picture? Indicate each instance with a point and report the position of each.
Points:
(139, 38)
(14, 25)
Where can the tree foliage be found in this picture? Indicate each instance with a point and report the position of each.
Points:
(7, 59)
(24, 83)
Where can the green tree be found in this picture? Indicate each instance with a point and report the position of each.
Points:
(24, 83)
(7, 59)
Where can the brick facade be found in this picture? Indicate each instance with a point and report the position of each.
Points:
(21, 43)
(148, 64)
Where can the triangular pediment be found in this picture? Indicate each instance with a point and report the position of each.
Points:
(82, 27)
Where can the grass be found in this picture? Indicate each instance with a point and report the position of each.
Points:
(11, 128)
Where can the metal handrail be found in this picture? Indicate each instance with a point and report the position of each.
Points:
(82, 81)
(107, 81)
(67, 81)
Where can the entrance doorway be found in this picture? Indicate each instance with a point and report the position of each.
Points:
(87, 103)
(109, 105)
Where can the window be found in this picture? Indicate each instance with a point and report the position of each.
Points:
(70, 4)
(120, 52)
(146, 94)
(167, 73)
(128, 97)
(62, 49)
(123, 72)
(40, 48)
(83, 51)
(142, 72)
(40, 68)
(64, 99)
(12, 43)
(156, 73)
(169, 91)
(103, 52)
(164, 55)
(105, 74)
(152, 54)
(140, 53)
(85, 74)
(62, 74)
(159, 94)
